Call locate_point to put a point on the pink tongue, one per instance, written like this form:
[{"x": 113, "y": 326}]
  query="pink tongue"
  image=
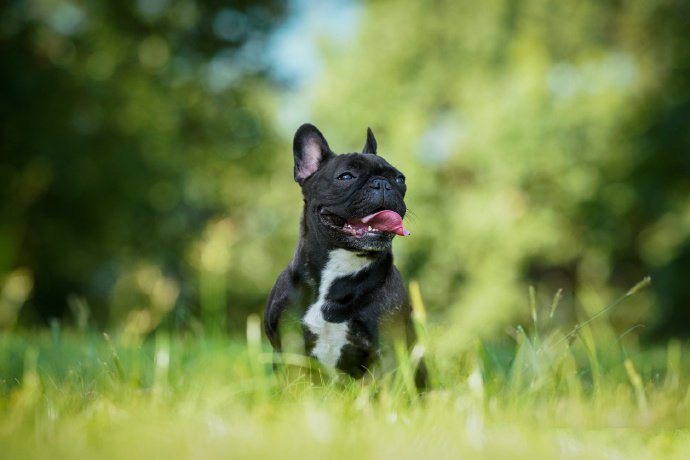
[{"x": 386, "y": 221}]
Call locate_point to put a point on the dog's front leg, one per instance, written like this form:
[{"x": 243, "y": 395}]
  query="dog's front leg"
[{"x": 283, "y": 293}]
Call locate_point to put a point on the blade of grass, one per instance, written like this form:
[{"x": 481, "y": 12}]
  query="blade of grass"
[
  {"x": 115, "y": 357},
  {"x": 636, "y": 382},
  {"x": 533, "y": 310},
  {"x": 556, "y": 301},
  {"x": 646, "y": 281},
  {"x": 590, "y": 345}
]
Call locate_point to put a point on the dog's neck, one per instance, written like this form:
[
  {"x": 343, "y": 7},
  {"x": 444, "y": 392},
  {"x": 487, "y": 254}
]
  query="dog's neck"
[{"x": 314, "y": 253}]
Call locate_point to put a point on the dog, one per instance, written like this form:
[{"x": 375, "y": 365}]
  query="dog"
[{"x": 342, "y": 279}]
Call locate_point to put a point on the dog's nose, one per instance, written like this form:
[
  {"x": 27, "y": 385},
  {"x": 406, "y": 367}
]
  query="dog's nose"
[{"x": 380, "y": 183}]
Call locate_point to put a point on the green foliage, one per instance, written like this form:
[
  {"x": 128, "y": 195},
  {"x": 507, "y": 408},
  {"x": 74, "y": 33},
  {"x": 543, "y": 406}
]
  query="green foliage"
[
  {"x": 143, "y": 182},
  {"x": 542, "y": 144},
  {"x": 143, "y": 188},
  {"x": 129, "y": 130}
]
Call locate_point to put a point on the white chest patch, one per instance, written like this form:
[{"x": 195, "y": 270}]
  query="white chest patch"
[{"x": 331, "y": 337}]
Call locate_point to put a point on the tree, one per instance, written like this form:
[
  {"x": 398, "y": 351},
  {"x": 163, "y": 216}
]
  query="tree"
[
  {"x": 126, "y": 127},
  {"x": 537, "y": 140}
]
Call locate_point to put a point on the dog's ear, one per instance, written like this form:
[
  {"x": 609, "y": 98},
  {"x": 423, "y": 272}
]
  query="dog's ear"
[
  {"x": 370, "y": 146},
  {"x": 310, "y": 150}
]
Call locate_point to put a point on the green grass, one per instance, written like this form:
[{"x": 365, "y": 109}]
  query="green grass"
[{"x": 546, "y": 394}]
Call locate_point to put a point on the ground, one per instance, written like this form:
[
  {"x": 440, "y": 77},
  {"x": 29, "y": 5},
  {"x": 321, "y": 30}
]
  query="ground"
[{"x": 82, "y": 394}]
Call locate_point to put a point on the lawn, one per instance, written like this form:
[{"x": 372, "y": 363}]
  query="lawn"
[{"x": 544, "y": 393}]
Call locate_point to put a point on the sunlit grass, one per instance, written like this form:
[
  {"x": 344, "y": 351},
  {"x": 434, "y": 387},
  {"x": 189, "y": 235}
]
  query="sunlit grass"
[{"x": 547, "y": 394}]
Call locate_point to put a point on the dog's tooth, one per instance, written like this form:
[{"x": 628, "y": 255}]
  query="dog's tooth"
[{"x": 369, "y": 228}]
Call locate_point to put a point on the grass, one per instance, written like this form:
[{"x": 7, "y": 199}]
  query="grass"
[{"x": 547, "y": 394}]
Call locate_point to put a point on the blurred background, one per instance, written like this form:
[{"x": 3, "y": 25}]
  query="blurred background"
[{"x": 146, "y": 165}]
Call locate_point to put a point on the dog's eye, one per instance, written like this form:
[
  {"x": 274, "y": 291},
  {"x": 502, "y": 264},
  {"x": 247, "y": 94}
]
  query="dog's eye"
[
  {"x": 346, "y": 176},
  {"x": 400, "y": 179}
]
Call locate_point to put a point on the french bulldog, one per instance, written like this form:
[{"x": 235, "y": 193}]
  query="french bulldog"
[{"x": 342, "y": 280}]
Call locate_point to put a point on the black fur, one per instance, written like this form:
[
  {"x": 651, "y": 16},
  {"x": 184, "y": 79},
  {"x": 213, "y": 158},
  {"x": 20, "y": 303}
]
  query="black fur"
[{"x": 337, "y": 188}]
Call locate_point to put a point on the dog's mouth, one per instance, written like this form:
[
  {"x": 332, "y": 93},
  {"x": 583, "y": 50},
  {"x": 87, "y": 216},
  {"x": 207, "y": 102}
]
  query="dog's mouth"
[{"x": 382, "y": 222}]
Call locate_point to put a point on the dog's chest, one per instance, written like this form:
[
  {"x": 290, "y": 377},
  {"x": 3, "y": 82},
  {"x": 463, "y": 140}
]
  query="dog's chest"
[{"x": 331, "y": 337}]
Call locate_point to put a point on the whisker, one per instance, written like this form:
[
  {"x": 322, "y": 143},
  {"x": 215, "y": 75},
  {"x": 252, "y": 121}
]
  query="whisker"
[{"x": 410, "y": 215}]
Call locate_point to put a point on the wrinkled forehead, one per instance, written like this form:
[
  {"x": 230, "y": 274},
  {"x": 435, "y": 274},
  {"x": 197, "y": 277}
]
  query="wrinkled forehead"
[{"x": 373, "y": 164}]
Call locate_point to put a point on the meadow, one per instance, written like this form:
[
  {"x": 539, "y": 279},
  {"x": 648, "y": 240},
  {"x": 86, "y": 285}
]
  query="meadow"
[
  {"x": 544, "y": 393},
  {"x": 147, "y": 203}
]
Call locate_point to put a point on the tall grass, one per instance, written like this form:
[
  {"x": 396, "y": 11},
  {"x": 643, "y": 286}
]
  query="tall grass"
[{"x": 547, "y": 394}]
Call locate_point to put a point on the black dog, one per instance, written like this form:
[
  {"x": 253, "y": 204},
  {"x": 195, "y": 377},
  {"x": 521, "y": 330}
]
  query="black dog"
[{"x": 342, "y": 278}]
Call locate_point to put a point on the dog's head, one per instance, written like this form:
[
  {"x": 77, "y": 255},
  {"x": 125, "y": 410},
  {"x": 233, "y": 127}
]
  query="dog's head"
[{"x": 352, "y": 201}]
